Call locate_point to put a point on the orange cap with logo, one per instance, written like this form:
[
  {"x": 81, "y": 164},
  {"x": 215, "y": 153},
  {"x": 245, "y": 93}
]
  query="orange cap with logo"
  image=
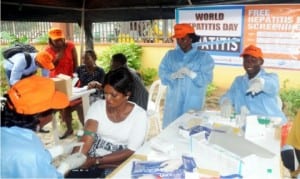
[
  {"x": 36, "y": 94},
  {"x": 55, "y": 33},
  {"x": 181, "y": 30},
  {"x": 45, "y": 60},
  {"x": 253, "y": 51}
]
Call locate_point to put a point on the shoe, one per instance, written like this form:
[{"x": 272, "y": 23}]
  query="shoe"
[
  {"x": 43, "y": 131},
  {"x": 66, "y": 134}
]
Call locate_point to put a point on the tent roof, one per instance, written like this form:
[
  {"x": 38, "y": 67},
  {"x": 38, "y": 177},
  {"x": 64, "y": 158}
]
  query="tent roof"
[{"x": 105, "y": 10}]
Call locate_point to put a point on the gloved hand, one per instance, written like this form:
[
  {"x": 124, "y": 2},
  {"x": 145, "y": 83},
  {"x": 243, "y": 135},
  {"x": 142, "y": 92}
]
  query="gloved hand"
[
  {"x": 63, "y": 149},
  {"x": 186, "y": 71},
  {"x": 73, "y": 161},
  {"x": 243, "y": 116},
  {"x": 170, "y": 165},
  {"x": 244, "y": 111},
  {"x": 226, "y": 108},
  {"x": 177, "y": 75},
  {"x": 256, "y": 85}
]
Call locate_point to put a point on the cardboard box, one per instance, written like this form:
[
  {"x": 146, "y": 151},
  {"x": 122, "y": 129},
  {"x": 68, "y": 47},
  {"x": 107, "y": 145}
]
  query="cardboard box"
[{"x": 63, "y": 83}]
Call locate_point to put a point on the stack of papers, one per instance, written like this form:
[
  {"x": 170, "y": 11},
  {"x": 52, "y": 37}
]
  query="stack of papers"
[{"x": 79, "y": 90}]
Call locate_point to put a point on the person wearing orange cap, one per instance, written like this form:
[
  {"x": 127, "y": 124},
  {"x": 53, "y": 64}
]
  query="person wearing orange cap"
[
  {"x": 186, "y": 71},
  {"x": 64, "y": 53},
  {"x": 89, "y": 75},
  {"x": 65, "y": 62},
  {"x": 30, "y": 103},
  {"x": 16, "y": 66},
  {"x": 257, "y": 91}
]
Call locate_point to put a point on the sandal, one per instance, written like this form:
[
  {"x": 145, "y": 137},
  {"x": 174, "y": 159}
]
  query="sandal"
[
  {"x": 66, "y": 134},
  {"x": 43, "y": 131}
]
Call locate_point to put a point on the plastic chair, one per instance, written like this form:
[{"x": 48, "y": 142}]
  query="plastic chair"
[{"x": 156, "y": 94}]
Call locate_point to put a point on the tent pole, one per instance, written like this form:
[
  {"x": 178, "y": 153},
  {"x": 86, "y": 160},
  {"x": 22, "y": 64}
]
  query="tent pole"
[{"x": 81, "y": 31}]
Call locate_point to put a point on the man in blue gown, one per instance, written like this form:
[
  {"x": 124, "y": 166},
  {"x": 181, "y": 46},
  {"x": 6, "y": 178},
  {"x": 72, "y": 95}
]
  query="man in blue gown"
[
  {"x": 256, "y": 90},
  {"x": 186, "y": 71}
]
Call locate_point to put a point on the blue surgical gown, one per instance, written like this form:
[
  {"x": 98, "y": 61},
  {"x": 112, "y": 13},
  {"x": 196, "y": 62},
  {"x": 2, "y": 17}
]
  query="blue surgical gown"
[
  {"x": 263, "y": 103},
  {"x": 23, "y": 155},
  {"x": 185, "y": 94}
]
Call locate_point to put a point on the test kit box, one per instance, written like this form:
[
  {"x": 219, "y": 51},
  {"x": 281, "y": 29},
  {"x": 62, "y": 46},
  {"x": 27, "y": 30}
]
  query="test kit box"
[{"x": 63, "y": 83}]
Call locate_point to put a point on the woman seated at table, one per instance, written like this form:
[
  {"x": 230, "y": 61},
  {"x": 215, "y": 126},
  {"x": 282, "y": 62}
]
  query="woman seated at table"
[
  {"x": 114, "y": 128},
  {"x": 91, "y": 75}
]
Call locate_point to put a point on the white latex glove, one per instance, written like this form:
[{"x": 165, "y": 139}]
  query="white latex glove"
[
  {"x": 177, "y": 75},
  {"x": 243, "y": 116},
  {"x": 170, "y": 165},
  {"x": 244, "y": 111},
  {"x": 63, "y": 149},
  {"x": 256, "y": 85},
  {"x": 73, "y": 161},
  {"x": 226, "y": 108},
  {"x": 186, "y": 71}
]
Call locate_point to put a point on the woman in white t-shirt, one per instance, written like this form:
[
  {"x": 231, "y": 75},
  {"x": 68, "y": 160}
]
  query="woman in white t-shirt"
[{"x": 114, "y": 128}]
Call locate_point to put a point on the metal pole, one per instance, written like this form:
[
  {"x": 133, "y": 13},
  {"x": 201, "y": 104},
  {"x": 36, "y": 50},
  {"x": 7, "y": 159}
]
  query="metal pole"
[{"x": 81, "y": 31}]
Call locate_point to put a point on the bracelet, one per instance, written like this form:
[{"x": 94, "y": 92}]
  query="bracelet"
[
  {"x": 86, "y": 132},
  {"x": 97, "y": 161}
]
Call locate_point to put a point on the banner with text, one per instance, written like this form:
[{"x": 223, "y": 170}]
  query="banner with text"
[{"x": 226, "y": 30}]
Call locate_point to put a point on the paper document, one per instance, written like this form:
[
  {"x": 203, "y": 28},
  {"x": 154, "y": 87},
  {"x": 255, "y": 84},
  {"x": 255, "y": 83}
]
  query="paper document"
[{"x": 79, "y": 90}]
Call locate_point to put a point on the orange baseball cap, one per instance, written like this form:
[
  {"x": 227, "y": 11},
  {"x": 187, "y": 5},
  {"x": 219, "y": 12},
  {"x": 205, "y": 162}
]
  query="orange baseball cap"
[
  {"x": 36, "y": 94},
  {"x": 56, "y": 33},
  {"x": 45, "y": 60},
  {"x": 181, "y": 30},
  {"x": 253, "y": 51}
]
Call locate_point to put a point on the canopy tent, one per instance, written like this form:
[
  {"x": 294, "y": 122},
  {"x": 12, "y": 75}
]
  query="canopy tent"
[
  {"x": 105, "y": 10},
  {"x": 85, "y": 12}
]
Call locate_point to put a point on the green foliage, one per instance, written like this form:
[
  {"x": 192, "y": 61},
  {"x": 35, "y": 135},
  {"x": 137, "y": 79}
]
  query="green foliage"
[
  {"x": 4, "y": 84},
  {"x": 42, "y": 39},
  {"x": 132, "y": 51},
  {"x": 12, "y": 39},
  {"x": 148, "y": 75},
  {"x": 211, "y": 88},
  {"x": 291, "y": 100}
]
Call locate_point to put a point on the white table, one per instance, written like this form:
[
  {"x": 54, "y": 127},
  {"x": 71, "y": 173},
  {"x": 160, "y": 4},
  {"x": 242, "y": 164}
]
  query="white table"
[
  {"x": 210, "y": 160},
  {"x": 85, "y": 98}
]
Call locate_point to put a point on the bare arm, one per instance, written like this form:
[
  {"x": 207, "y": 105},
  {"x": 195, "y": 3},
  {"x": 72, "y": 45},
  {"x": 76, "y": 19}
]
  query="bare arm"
[
  {"x": 91, "y": 126},
  {"x": 113, "y": 159}
]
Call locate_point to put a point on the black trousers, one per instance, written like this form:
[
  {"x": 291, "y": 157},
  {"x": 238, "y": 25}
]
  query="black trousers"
[
  {"x": 288, "y": 158},
  {"x": 92, "y": 172}
]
